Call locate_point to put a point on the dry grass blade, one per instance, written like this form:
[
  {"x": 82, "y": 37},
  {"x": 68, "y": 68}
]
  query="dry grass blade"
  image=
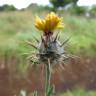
[
  {"x": 29, "y": 43},
  {"x": 36, "y": 39},
  {"x": 65, "y": 41}
]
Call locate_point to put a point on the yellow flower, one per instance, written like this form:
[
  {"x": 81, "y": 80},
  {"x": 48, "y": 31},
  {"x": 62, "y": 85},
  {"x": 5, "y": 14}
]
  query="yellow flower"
[{"x": 50, "y": 23}]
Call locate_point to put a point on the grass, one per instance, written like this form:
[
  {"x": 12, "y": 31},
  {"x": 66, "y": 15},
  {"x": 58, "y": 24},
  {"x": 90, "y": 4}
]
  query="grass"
[
  {"x": 17, "y": 27},
  {"x": 79, "y": 93},
  {"x": 83, "y": 34}
]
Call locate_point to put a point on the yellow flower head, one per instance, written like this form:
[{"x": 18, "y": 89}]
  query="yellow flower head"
[{"x": 50, "y": 23}]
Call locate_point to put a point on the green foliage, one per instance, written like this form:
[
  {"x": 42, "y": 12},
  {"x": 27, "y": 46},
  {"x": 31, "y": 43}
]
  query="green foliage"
[
  {"x": 62, "y": 3},
  {"x": 50, "y": 91},
  {"x": 93, "y": 11},
  {"x": 83, "y": 34},
  {"x": 78, "y": 10},
  {"x": 7, "y": 8},
  {"x": 37, "y": 8},
  {"x": 35, "y": 93},
  {"x": 16, "y": 28},
  {"x": 79, "y": 92}
]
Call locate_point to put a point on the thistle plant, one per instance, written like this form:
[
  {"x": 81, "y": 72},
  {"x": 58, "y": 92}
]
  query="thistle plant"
[{"x": 50, "y": 50}]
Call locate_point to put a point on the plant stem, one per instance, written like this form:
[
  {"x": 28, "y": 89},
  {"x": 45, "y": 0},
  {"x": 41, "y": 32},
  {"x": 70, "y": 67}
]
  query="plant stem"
[{"x": 48, "y": 77}]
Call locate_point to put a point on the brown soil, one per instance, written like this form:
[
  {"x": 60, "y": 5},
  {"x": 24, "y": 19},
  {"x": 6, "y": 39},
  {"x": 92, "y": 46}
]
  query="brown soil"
[{"x": 78, "y": 73}]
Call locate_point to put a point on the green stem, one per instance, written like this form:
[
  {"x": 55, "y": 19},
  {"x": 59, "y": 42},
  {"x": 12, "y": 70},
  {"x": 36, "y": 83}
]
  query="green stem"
[{"x": 48, "y": 77}]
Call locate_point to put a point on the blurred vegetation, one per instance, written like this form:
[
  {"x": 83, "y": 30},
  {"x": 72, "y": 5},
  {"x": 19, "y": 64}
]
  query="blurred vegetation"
[
  {"x": 17, "y": 27},
  {"x": 68, "y": 6},
  {"x": 93, "y": 11},
  {"x": 62, "y": 3},
  {"x": 78, "y": 10},
  {"x": 79, "y": 92},
  {"x": 7, "y": 8}
]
